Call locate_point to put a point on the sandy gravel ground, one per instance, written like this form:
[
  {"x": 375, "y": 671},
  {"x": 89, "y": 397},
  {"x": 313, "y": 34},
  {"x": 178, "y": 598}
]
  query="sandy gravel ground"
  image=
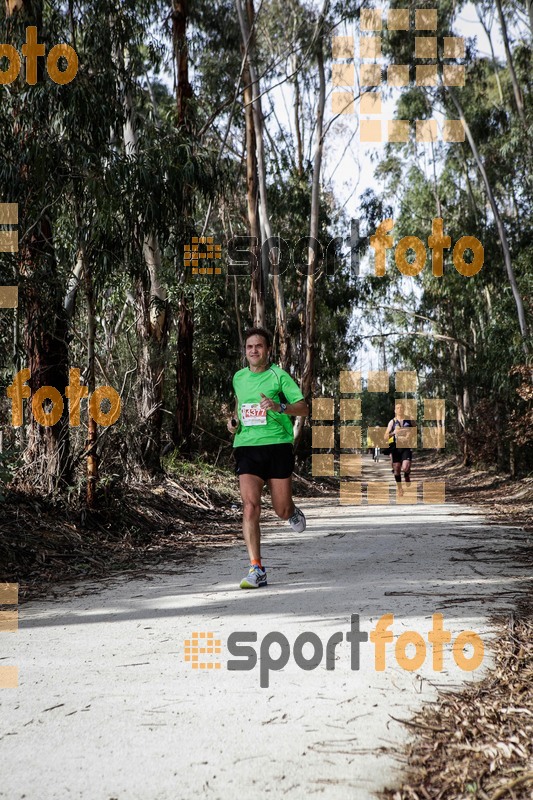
[{"x": 108, "y": 707}]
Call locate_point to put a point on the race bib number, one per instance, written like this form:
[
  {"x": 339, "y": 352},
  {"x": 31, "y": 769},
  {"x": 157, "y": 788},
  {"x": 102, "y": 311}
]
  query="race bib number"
[
  {"x": 402, "y": 435},
  {"x": 253, "y": 414}
]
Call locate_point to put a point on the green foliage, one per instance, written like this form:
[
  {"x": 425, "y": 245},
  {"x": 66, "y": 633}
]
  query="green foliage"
[
  {"x": 9, "y": 464},
  {"x": 462, "y": 334},
  {"x": 64, "y": 159}
]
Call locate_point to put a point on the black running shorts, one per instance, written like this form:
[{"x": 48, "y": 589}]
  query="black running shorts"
[
  {"x": 267, "y": 460},
  {"x": 400, "y": 454}
]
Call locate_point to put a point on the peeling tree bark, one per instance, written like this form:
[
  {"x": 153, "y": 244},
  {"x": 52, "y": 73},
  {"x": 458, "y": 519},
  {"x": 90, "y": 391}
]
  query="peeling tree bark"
[
  {"x": 309, "y": 358},
  {"x": 47, "y": 454},
  {"x": 184, "y": 416},
  {"x": 180, "y": 13},
  {"x": 185, "y": 378},
  {"x": 45, "y": 337},
  {"x": 297, "y": 122},
  {"x": 257, "y": 288},
  {"x": 269, "y": 255},
  {"x": 92, "y": 428},
  {"x": 462, "y": 411},
  {"x": 151, "y": 324}
]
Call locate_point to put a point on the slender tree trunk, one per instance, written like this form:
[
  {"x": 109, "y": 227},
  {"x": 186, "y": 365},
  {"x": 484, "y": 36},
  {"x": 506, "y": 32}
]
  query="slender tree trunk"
[
  {"x": 72, "y": 291},
  {"x": 115, "y": 330},
  {"x": 237, "y": 312},
  {"x": 270, "y": 260},
  {"x": 307, "y": 376},
  {"x": 151, "y": 324},
  {"x": 48, "y": 449},
  {"x": 152, "y": 340},
  {"x": 438, "y": 207},
  {"x": 45, "y": 337},
  {"x": 257, "y": 293},
  {"x": 517, "y": 91},
  {"x": 281, "y": 314},
  {"x": 467, "y": 402},
  {"x": 180, "y": 13},
  {"x": 499, "y": 224},
  {"x": 512, "y": 459},
  {"x": 20, "y": 433},
  {"x": 499, "y": 415},
  {"x": 297, "y": 123},
  {"x": 92, "y": 428},
  {"x": 473, "y": 204},
  {"x": 519, "y": 100},
  {"x": 462, "y": 420},
  {"x": 185, "y": 409},
  {"x": 183, "y": 421},
  {"x": 488, "y": 34}
]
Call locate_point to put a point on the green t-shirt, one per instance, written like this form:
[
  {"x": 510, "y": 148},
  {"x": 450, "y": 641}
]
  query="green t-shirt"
[{"x": 248, "y": 387}]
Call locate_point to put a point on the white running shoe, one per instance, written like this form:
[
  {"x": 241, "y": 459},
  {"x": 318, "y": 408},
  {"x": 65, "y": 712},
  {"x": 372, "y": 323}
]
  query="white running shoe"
[
  {"x": 256, "y": 577},
  {"x": 297, "y": 521}
]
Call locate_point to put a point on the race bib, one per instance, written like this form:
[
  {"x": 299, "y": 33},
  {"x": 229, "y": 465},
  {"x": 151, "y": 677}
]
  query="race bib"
[
  {"x": 253, "y": 414},
  {"x": 402, "y": 434}
]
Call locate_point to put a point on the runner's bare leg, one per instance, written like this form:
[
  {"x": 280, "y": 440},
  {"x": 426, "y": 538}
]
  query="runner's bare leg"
[
  {"x": 396, "y": 467},
  {"x": 281, "y": 495},
  {"x": 251, "y": 487}
]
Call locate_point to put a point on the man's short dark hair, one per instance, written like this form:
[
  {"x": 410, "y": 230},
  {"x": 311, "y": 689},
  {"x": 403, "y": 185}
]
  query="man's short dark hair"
[{"x": 259, "y": 332}]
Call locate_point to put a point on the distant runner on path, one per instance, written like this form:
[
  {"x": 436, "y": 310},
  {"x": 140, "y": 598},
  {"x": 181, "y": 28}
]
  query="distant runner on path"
[
  {"x": 401, "y": 456},
  {"x": 266, "y": 398}
]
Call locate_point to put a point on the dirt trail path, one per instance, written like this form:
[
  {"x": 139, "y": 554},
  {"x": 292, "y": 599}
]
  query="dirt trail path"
[{"x": 107, "y": 707}]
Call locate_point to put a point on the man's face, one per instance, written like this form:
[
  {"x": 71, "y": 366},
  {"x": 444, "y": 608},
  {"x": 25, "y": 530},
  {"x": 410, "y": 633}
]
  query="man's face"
[
  {"x": 256, "y": 351},
  {"x": 399, "y": 410}
]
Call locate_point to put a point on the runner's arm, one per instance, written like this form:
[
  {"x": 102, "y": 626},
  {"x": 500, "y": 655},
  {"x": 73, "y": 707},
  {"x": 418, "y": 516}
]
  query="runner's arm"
[
  {"x": 298, "y": 409},
  {"x": 234, "y": 428}
]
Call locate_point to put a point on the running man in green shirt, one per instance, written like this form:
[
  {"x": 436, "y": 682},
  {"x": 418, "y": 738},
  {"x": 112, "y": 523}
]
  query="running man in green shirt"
[{"x": 266, "y": 398}]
